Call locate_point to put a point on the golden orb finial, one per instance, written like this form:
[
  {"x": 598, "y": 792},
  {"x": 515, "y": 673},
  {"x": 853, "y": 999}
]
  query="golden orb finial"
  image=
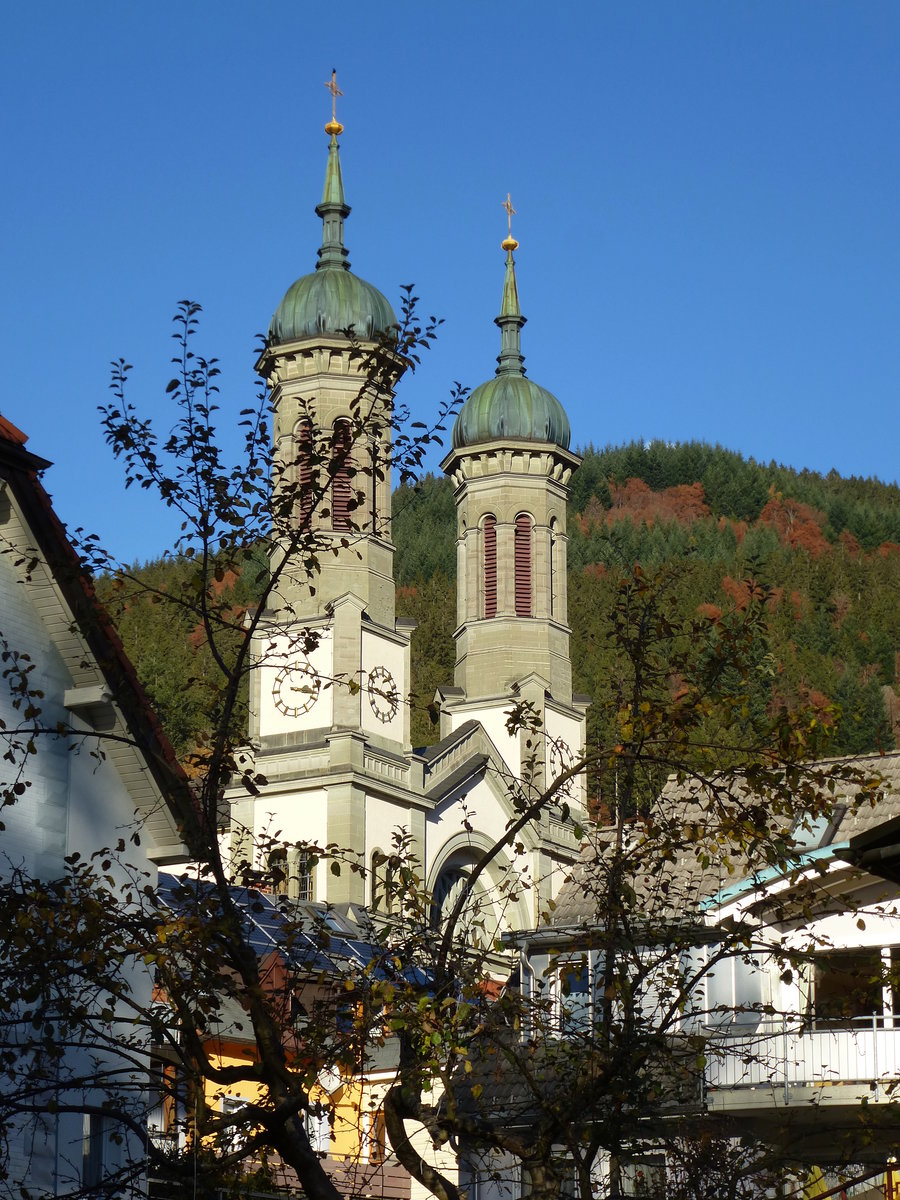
[
  {"x": 334, "y": 127},
  {"x": 509, "y": 242}
]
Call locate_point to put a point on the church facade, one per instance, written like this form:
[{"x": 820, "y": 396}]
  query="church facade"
[{"x": 331, "y": 690}]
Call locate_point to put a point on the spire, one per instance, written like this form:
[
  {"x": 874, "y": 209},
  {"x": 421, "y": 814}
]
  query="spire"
[
  {"x": 333, "y": 209},
  {"x": 510, "y": 360}
]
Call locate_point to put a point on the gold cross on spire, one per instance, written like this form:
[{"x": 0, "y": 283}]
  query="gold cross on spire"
[
  {"x": 509, "y": 242},
  {"x": 334, "y": 127}
]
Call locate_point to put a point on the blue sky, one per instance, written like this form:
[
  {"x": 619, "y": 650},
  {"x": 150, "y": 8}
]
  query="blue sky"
[{"x": 707, "y": 200}]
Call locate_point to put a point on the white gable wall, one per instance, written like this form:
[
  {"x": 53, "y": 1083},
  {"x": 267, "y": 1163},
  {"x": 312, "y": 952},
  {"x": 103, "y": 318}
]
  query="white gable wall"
[{"x": 75, "y": 802}]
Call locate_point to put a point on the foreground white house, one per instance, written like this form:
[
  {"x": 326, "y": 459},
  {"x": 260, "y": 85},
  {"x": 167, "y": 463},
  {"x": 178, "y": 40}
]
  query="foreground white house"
[
  {"x": 812, "y": 1062},
  {"x": 100, "y": 771},
  {"x": 762, "y": 1006}
]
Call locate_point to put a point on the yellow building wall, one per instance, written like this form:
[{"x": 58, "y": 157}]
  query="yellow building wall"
[{"x": 357, "y": 1130}]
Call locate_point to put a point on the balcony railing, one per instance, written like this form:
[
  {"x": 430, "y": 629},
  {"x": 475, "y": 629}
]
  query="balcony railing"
[{"x": 789, "y": 1055}]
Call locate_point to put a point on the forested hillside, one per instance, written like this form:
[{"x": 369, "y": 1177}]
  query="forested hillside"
[{"x": 706, "y": 523}]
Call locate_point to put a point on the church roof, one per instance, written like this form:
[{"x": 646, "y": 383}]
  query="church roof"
[
  {"x": 331, "y": 299},
  {"x": 511, "y": 407}
]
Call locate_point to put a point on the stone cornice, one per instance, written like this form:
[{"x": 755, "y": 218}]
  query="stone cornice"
[{"x": 506, "y": 457}]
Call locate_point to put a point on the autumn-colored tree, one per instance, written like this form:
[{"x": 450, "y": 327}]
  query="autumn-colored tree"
[{"x": 676, "y": 690}]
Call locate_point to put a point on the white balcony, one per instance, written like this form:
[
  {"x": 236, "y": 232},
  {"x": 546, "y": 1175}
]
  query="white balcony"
[{"x": 784, "y": 1062}]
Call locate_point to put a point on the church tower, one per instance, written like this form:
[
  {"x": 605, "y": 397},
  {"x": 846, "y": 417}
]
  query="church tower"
[
  {"x": 510, "y": 464},
  {"x": 329, "y": 725},
  {"x": 329, "y": 722}
]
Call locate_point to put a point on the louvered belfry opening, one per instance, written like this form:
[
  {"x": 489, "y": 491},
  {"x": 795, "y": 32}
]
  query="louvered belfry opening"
[
  {"x": 304, "y": 497},
  {"x": 376, "y": 468},
  {"x": 342, "y": 465},
  {"x": 489, "y": 533},
  {"x": 523, "y": 565},
  {"x": 554, "y": 582}
]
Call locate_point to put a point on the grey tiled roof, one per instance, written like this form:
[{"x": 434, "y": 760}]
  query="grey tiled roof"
[{"x": 686, "y": 866}]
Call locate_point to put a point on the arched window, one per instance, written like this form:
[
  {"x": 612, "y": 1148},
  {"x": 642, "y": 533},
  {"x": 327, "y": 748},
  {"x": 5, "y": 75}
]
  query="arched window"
[
  {"x": 523, "y": 565},
  {"x": 303, "y": 441},
  {"x": 278, "y": 871},
  {"x": 382, "y": 882},
  {"x": 450, "y": 885},
  {"x": 302, "y": 872},
  {"x": 554, "y": 568},
  {"x": 291, "y": 873},
  {"x": 489, "y": 534},
  {"x": 341, "y": 475},
  {"x": 378, "y": 466}
]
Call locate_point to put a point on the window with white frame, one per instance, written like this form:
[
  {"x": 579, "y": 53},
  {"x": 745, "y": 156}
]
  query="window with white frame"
[
  {"x": 644, "y": 1178},
  {"x": 318, "y": 1127},
  {"x": 291, "y": 873},
  {"x": 232, "y": 1135},
  {"x": 373, "y": 1136},
  {"x": 574, "y": 994}
]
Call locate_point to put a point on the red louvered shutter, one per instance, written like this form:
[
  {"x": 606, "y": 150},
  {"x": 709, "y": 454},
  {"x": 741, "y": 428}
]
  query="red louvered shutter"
[
  {"x": 376, "y": 470},
  {"x": 554, "y": 543},
  {"x": 304, "y": 498},
  {"x": 340, "y": 483},
  {"x": 490, "y": 566},
  {"x": 523, "y": 565}
]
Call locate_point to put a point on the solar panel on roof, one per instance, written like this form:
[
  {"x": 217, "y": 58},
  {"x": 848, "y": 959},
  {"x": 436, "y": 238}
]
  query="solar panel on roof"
[{"x": 276, "y": 924}]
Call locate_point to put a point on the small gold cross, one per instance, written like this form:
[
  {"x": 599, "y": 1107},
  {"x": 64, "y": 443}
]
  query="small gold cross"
[
  {"x": 334, "y": 127},
  {"x": 509, "y": 242},
  {"x": 510, "y": 212},
  {"x": 335, "y": 92}
]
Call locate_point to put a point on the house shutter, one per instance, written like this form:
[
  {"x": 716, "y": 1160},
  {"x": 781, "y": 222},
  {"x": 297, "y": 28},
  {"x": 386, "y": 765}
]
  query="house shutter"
[
  {"x": 341, "y": 466},
  {"x": 489, "y": 532},
  {"x": 523, "y": 565}
]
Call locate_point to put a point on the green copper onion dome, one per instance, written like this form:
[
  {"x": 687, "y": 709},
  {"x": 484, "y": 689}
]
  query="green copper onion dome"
[
  {"x": 332, "y": 298},
  {"x": 510, "y": 406}
]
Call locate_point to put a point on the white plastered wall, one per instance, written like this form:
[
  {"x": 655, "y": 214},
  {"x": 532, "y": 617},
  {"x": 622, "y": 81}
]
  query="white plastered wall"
[
  {"x": 76, "y": 802},
  {"x": 316, "y": 695},
  {"x": 567, "y": 732},
  {"x": 493, "y": 718},
  {"x": 381, "y": 652}
]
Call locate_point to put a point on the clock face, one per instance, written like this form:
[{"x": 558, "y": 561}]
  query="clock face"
[
  {"x": 383, "y": 696},
  {"x": 560, "y": 758},
  {"x": 296, "y": 688}
]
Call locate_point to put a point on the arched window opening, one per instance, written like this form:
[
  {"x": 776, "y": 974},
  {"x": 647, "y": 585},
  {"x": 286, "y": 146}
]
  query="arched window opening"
[
  {"x": 523, "y": 565},
  {"x": 554, "y": 568},
  {"x": 341, "y": 475},
  {"x": 304, "y": 449},
  {"x": 376, "y": 468},
  {"x": 278, "y": 871},
  {"x": 383, "y": 883},
  {"x": 489, "y": 534},
  {"x": 450, "y": 885},
  {"x": 304, "y": 876},
  {"x": 291, "y": 873}
]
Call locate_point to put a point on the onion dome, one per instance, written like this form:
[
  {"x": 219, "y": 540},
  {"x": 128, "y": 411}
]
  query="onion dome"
[
  {"x": 510, "y": 406},
  {"x": 332, "y": 298}
]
